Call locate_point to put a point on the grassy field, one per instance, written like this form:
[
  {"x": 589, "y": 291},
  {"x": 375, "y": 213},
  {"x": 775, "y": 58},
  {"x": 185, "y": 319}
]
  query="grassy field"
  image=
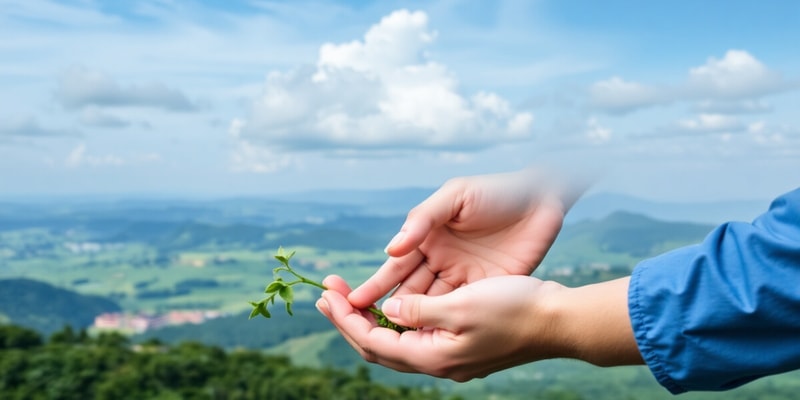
[
  {"x": 144, "y": 277},
  {"x": 133, "y": 275}
]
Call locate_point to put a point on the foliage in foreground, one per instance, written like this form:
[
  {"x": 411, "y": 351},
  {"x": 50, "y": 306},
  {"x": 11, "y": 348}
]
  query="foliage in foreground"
[
  {"x": 283, "y": 289},
  {"x": 73, "y": 365}
]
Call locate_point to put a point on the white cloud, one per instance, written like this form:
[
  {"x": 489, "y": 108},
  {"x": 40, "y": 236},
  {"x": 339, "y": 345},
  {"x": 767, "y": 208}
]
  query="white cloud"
[
  {"x": 394, "y": 43},
  {"x": 31, "y": 128},
  {"x": 377, "y": 93},
  {"x": 249, "y": 158},
  {"x": 737, "y": 75},
  {"x": 616, "y": 95},
  {"x": 710, "y": 123},
  {"x": 731, "y": 84},
  {"x": 79, "y": 157},
  {"x": 785, "y": 139},
  {"x": 596, "y": 133},
  {"x": 745, "y": 106},
  {"x": 81, "y": 87}
]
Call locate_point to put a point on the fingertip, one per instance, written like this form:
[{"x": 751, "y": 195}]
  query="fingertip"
[
  {"x": 323, "y": 307},
  {"x": 397, "y": 239},
  {"x": 410, "y": 237},
  {"x": 391, "y": 307},
  {"x": 360, "y": 297},
  {"x": 336, "y": 283},
  {"x": 335, "y": 303},
  {"x": 327, "y": 280}
]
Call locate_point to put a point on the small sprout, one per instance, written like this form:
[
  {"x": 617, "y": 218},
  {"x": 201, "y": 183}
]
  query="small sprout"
[{"x": 283, "y": 289}]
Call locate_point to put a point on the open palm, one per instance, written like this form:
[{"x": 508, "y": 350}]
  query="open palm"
[{"x": 471, "y": 228}]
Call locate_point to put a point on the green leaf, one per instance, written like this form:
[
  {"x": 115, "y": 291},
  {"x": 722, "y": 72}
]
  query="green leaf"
[
  {"x": 289, "y": 308},
  {"x": 283, "y": 256},
  {"x": 282, "y": 288},
  {"x": 262, "y": 309},
  {"x": 275, "y": 286},
  {"x": 287, "y": 294},
  {"x": 259, "y": 308},
  {"x": 254, "y": 312}
]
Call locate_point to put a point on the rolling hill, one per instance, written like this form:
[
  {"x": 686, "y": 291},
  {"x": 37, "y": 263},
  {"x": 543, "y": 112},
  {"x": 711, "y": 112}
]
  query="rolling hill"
[{"x": 45, "y": 308}]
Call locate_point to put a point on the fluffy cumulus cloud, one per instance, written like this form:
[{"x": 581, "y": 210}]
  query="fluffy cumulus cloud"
[
  {"x": 377, "y": 93},
  {"x": 80, "y": 87},
  {"x": 737, "y": 75},
  {"x": 734, "y": 83}
]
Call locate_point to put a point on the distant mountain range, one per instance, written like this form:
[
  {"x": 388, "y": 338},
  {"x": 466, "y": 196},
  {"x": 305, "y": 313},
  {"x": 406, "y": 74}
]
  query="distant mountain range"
[
  {"x": 320, "y": 205},
  {"x": 591, "y": 206},
  {"x": 599, "y": 205}
]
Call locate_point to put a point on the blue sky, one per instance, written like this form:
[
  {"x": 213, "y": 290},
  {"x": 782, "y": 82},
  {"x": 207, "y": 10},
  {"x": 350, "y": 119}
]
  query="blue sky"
[{"x": 678, "y": 101}]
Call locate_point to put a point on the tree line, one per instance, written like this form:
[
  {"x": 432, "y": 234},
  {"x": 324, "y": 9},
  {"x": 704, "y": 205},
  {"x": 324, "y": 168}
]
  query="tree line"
[{"x": 74, "y": 365}]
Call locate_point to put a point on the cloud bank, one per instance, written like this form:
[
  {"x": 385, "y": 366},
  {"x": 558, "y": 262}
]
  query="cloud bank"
[
  {"x": 79, "y": 87},
  {"x": 732, "y": 84},
  {"x": 29, "y": 127},
  {"x": 379, "y": 93}
]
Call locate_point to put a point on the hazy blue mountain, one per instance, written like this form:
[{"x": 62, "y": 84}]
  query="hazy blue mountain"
[
  {"x": 104, "y": 216},
  {"x": 592, "y": 206},
  {"x": 377, "y": 201},
  {"x": 599, "y": 205},
  {"x": 626, "y": 233},
  {"x": 319, "y": 206}
]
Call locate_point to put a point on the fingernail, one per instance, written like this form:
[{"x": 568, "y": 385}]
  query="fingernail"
[
  {"x": 395, "y": 240},
  {"x": 322, "y": 306},
  {"x": 391, "y": 307}
]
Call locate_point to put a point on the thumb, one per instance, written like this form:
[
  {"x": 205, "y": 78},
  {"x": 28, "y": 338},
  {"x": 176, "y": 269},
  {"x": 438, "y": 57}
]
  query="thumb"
[{"x": 417, "y": 310}]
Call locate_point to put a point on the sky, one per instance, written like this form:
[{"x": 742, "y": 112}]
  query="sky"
[{"x": 673, "y": 101}]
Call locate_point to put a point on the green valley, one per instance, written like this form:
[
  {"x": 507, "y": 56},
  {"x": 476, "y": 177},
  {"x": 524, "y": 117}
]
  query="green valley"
[{"x": 149, "y": 258}]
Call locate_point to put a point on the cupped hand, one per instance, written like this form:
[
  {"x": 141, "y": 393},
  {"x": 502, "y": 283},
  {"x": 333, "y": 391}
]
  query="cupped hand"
[
  {"x": 470, "y": 332},
  {"x": 473, "y": 228}
]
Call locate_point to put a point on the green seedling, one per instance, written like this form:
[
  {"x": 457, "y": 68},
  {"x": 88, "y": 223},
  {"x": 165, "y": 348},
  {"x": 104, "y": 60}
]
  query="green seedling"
[{"x": 282, "y": 288}]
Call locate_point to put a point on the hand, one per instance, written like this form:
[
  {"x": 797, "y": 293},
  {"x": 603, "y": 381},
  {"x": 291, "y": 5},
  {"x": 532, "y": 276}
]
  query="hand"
[
  {"x": 463, "y": 329},
  {"x": 490, "y": 325},
  {"x": 470, "y": 229}
]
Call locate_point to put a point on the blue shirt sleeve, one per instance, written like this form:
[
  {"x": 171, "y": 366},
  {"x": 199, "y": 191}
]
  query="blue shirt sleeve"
[{"x": 722, "y": 313}]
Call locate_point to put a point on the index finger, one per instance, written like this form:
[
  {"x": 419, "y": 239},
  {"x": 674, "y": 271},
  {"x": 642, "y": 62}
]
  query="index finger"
[
  {"x": 386, "y": 278},
  {"x": 437, "y": 210}
]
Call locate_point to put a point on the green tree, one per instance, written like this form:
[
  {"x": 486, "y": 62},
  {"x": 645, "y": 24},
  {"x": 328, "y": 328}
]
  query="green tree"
[{"x": 16, "y": 337}]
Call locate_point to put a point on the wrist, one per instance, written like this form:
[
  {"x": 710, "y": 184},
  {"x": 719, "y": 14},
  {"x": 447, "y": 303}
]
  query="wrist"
[{"x": 591, "y": 323}]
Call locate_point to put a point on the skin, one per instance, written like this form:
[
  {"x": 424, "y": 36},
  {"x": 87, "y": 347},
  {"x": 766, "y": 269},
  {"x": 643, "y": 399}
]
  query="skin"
[
  {"x": 470, "y": 229},
  {"x": 459, "y": 270},
  {"x": 533, "y": 319}
]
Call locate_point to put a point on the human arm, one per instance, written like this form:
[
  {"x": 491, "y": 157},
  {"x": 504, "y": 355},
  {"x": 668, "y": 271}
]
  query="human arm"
[
  {"x": 722, "y": 313},
  {"x": 472, "y": 228},
  {"x": 490, "y": 325}
]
